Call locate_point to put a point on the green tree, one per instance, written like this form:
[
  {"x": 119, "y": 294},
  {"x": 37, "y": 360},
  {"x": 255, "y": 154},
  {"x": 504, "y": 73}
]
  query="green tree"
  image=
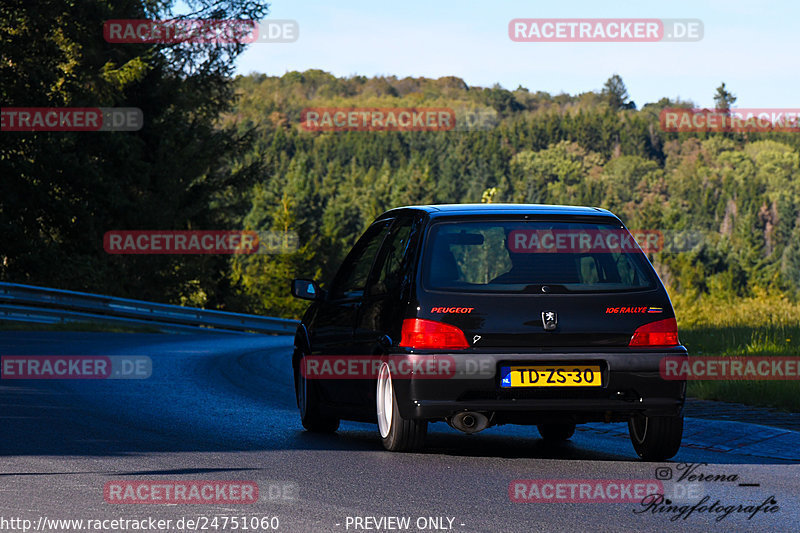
[
  {"x": 723, "y": 99},
  {"x": 61, "y": 191},
  {"x": 616, "y": 94}
]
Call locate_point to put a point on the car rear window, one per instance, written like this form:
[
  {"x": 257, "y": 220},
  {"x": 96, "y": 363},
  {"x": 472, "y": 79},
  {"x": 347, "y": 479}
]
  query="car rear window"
[{"x": 534, "y": 256}]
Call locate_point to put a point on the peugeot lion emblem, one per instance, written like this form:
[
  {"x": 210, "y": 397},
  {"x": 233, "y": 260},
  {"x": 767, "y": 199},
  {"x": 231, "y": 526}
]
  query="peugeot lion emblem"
[{"x": 549, "y": 320}]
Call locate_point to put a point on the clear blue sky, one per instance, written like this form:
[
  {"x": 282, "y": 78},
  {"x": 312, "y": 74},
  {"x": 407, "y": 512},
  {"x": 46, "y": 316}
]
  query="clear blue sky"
[{"x": 753, "y": 46}]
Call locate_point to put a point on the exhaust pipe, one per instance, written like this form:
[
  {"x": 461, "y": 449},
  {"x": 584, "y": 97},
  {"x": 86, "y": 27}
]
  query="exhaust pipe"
[{"x": 469, "y": 422}]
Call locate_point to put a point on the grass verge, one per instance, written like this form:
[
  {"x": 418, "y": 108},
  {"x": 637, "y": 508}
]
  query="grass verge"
[{"x": 760, "y": 326}]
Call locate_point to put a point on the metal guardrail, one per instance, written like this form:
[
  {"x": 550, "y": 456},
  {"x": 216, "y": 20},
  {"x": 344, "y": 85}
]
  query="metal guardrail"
[
  {"x": 43, "y": 315},
  {"x": 42, "y": 304}
]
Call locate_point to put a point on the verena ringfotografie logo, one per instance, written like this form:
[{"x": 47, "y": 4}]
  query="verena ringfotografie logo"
[
  {"x": 75, "y": 367},
  {"x": 200, "y": 31},
  {"x": 377, "y": 119},
  {"x": 658, "y": 504},
  {"x": 582, "y": 490},
  {"x": 730, "y": 120},
  {"x": 730, "y": 368},
  {"x": 71, "y": 119},
  {"x": 586, "y": 30},
  {"x": 181, "y": 492},
  {"x": 199, "y": 242}
]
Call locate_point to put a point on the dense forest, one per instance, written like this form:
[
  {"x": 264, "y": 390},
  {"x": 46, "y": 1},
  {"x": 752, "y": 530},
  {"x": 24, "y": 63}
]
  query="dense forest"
[
  {"x": 739, "y": 192},
  {"x": 228, "y": 153}
]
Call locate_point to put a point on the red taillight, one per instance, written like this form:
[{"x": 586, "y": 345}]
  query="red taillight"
[
  {"x": 428, "y": 334},
  {"x": 660, "y": 333}
]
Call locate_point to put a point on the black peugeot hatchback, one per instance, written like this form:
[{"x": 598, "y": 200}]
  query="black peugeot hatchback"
[{"x": 488, "y": 314}]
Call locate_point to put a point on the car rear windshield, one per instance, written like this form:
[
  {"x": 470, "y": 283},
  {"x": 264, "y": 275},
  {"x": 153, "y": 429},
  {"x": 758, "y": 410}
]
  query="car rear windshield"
[{"x": 534, "y": 256}]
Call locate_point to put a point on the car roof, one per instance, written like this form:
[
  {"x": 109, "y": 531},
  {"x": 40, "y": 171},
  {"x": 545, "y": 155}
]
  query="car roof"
[{"x": 501, "y": 209}]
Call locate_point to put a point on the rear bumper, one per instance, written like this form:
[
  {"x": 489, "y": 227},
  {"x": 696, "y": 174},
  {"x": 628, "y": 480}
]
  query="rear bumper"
[{"x": 631, "y": 384}]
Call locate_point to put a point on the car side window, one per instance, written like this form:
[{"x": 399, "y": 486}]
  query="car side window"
[
  {"x": 389, "y": 267},
  {"x": 354, "y": 272}
]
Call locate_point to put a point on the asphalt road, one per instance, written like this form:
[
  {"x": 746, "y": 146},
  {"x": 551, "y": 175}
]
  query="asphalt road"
[{"x": 221, "y": 407}]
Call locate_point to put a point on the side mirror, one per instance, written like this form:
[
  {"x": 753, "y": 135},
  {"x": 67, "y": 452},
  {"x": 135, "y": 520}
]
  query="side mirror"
[{"x": 306, "y": 289}]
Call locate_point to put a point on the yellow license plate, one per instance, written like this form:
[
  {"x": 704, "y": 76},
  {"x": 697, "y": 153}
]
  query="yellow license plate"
[{"x": 551, "y": 376}]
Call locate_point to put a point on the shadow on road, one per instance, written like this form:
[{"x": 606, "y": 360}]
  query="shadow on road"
[{"x": 208, "y": 394}]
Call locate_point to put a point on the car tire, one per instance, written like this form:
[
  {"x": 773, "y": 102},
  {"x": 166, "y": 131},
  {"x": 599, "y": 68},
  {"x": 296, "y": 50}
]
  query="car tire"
[
  {"x": 397, "y": 433},
  {"x": 556, "y": 432},
  {"x": 308, "y": 403},
  {"x": 656, "y": 438}
]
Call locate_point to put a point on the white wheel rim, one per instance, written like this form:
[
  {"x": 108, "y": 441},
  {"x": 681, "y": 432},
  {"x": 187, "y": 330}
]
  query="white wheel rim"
[
  {"x": 384, "y": 397},
  {"x": 640, "y": 438},
  {"x": 303, "y": 394}
]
